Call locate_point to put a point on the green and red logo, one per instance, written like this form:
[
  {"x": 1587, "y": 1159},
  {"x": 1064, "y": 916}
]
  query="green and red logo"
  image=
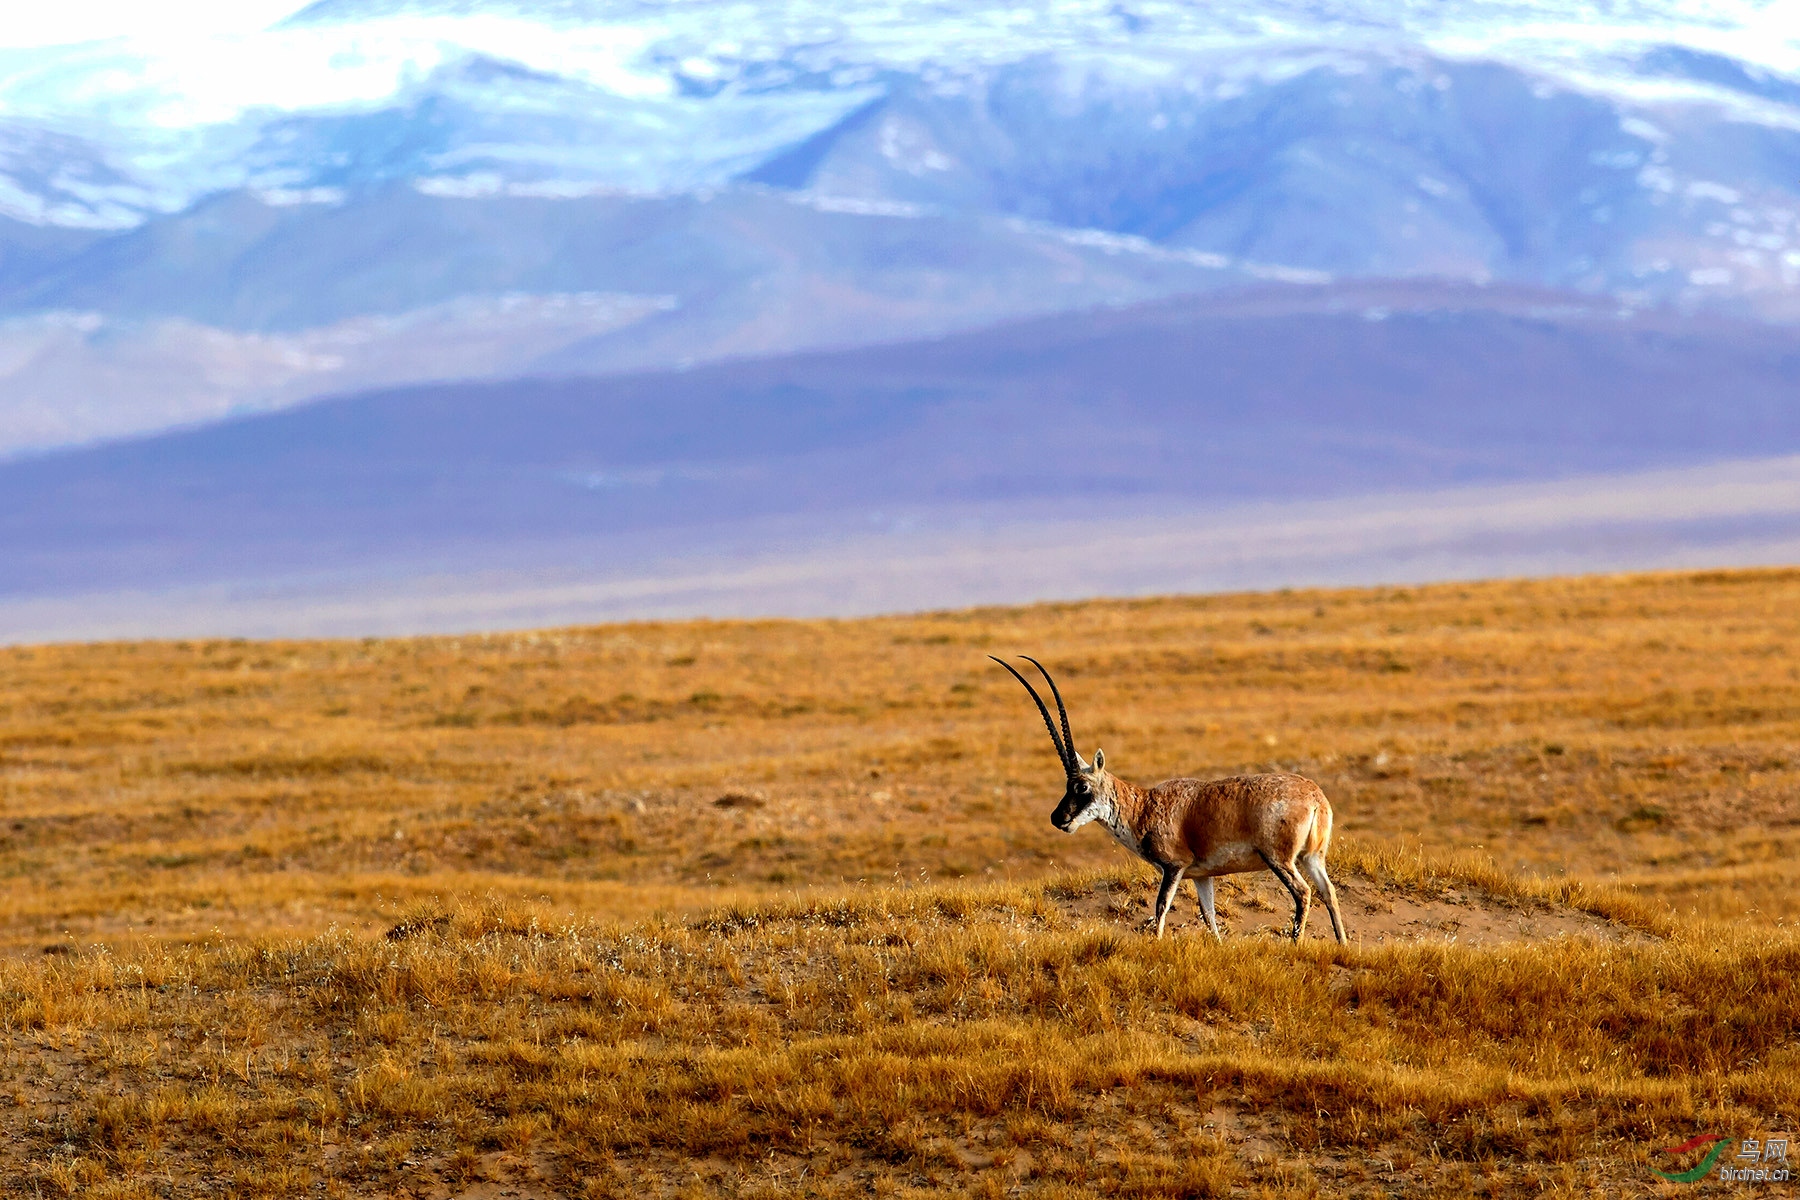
[{"x": 1719, "y": 1143}]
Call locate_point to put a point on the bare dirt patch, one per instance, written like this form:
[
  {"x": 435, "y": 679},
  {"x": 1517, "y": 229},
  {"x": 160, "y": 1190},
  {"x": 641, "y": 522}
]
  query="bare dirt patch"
[{"x": 1255, "y": 905}]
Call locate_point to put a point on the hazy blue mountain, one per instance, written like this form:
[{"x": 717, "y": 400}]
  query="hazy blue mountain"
[
  {"x": 239, "y": 304},
  {"x": 1180, "y": 406},
  {"x": 1377, "y": 166},
  {"x": 235, "y": 261},
  {"x": 28, "y": 251}
]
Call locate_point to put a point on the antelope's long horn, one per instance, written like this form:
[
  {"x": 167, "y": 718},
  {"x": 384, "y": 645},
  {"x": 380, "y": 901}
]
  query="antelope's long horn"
[
  {"x": 1062, "y": 752},
  {"x": 1068, "y": 738}
]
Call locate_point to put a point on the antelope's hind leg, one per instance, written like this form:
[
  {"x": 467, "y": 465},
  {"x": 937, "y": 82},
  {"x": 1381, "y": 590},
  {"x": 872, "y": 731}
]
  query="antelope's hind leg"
[
  {"x": 1296, "y": 887},
  {"x": 1204, "y": 889},
  {"x": 1314, "y": 867}
]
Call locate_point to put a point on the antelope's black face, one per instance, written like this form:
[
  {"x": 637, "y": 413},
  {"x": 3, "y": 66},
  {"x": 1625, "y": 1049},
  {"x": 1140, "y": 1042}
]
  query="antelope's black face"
[
  {"x": 1085, "y": 798},
  {"x": 1077, "y": 807}
]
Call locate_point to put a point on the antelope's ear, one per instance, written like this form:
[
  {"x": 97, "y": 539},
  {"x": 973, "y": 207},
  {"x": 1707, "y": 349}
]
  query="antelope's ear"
[{"x": 1099, "y": 760}]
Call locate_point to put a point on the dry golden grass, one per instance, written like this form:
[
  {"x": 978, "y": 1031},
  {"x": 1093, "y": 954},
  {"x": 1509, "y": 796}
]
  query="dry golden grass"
[{"x": 711, "y": 908}]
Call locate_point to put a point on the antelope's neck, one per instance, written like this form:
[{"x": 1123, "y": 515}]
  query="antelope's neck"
[{"x": 1129, "y": 808}]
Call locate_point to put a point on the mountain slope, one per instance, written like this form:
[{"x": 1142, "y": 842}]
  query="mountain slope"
[{"x": 240, "y": 304}]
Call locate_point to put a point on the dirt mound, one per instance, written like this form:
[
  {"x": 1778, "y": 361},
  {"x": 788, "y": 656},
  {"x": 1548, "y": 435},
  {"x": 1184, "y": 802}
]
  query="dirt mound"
[{"x": 1375, "y": 913}]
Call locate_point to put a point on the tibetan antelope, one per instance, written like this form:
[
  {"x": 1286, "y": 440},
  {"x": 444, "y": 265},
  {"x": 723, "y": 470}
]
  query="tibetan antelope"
[{"x": 1202, "y": 828}]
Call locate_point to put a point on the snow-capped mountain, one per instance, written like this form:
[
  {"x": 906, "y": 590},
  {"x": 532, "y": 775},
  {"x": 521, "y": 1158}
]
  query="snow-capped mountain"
[
  {"x": 598, "y": 94},
  {"x": 726, "y": 172}
]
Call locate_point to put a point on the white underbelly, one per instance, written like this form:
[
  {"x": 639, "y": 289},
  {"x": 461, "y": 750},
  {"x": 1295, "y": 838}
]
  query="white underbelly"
[{"x": 1228, "y": 858}]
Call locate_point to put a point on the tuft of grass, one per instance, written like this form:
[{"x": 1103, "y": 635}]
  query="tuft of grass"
[{"x": 940, "y": 1037}]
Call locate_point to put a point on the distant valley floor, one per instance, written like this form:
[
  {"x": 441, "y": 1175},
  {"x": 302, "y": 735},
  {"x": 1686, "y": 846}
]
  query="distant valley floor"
[{"x": 1735, "y": 513}]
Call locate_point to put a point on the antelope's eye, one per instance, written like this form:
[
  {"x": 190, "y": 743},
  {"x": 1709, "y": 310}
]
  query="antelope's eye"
[{"x": 1082, "y": 788}]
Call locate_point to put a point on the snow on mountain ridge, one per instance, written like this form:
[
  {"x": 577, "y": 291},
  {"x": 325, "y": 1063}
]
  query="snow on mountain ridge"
[
  {"x": 654, "y": 97},
  {"x": 909, "y": 34}
]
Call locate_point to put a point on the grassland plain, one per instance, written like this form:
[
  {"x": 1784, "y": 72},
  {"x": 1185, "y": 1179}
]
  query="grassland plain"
[{"x": 775, "y": 907}]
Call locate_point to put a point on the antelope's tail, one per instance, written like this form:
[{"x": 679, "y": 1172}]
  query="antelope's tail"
[{"x": 1318, "y": 837}]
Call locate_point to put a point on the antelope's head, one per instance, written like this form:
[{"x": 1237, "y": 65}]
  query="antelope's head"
[{"x": 1086, "y": 795}]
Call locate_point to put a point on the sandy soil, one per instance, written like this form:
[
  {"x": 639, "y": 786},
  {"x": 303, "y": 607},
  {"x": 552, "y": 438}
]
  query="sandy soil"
[{"x": 1254, "y": 905}]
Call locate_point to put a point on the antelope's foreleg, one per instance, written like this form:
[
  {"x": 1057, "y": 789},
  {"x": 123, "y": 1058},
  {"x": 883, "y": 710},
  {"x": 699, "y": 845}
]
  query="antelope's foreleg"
[{"x": 1165, "y": 895}]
